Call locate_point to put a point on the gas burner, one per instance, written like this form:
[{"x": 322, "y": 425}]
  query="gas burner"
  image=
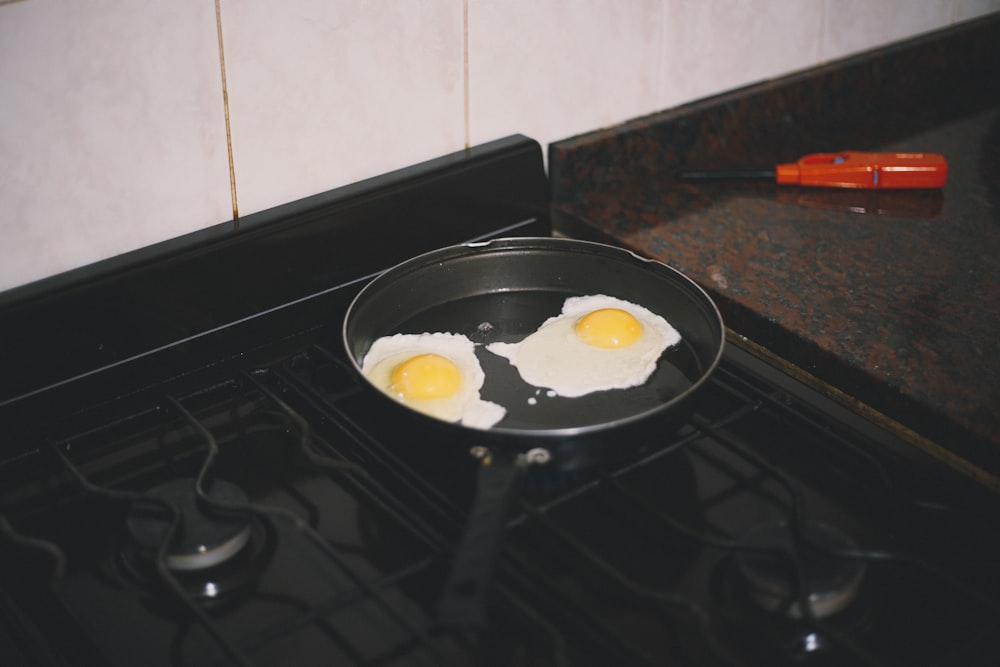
[
  {"x": 216, "y": 558},
  {"x": 205, "y": 536},
  {"x": 766, "y": 568}
]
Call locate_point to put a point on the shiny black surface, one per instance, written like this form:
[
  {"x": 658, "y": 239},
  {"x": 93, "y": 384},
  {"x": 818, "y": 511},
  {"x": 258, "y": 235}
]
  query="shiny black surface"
[
  {"x": 503, "y": 291},
  {"x": 108, "y": 328},
  {"x": 354, "y": 517}
]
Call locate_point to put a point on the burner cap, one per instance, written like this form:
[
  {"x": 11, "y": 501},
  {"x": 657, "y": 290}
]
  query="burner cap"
[
  {"x": 204, "y": 538},
  {"x": 831, "y": 582}
]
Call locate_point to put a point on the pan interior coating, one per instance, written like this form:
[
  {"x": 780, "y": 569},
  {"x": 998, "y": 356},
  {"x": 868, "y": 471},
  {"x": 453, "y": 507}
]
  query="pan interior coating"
[
  {"x": 503, "y": 290},
  {"x": 511, "y": 316}
]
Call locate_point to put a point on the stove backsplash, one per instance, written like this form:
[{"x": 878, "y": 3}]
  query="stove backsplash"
[{"x": 125, "y": 124}]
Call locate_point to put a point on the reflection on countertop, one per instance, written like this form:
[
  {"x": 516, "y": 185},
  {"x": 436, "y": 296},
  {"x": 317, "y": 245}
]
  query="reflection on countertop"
[{"x": 887, "y": 296}]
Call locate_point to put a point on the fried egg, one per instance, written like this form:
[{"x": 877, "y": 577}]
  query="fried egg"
[
  {"x": 596, "y": 343},
  {"x": 437, "y": 374}
]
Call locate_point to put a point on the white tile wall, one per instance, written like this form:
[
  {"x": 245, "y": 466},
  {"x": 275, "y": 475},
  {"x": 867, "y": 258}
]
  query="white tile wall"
[
  {"x": 715, "y": 45},
  {"x": 554, "y": 68},
  {"x": 323, "y": 93},
  {"x": 854, "y": 25},
  {"x": 113, "y": 129}
]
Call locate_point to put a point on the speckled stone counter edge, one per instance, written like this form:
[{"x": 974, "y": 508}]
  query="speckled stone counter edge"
[{"x": 940, "y": 76}]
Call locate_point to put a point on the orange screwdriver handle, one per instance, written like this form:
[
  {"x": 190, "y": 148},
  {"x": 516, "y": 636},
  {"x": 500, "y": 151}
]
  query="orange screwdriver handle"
[{"x": 855, "y": 169}]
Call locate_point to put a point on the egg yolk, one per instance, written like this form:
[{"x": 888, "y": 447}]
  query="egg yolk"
[
  {"x": 425, "y": 376},
  {"x": 609, "y": 327}
]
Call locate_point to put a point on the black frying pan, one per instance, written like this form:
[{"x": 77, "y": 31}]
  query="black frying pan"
[{"x": 503, "y": 290}]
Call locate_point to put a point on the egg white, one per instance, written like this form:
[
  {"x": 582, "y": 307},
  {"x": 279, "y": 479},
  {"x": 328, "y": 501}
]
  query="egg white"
[
  {"x": 555, "y": 357},
  {"x": 465, "y": 405}
]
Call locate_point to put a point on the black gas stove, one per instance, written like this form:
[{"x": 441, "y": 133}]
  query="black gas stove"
[{"x": 191, "y": 473}]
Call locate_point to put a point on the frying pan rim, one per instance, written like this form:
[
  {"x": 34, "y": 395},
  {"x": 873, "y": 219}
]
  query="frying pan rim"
[{"x": 512, "y": 243}]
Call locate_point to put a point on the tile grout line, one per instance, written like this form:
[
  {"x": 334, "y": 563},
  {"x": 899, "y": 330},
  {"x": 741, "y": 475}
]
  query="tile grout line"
[
  {"x": 465, "y": 66},
  {"x": 821, "y": 42},
  {"x": 662, "y": 94},
  {"x": 225, "y": 108}
]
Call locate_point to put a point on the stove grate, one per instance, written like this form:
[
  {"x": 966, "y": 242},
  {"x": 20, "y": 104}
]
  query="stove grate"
[{"x": 636, "y": 563}]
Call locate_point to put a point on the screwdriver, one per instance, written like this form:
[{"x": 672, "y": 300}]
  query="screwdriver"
[{"x": 846, "y": 169}]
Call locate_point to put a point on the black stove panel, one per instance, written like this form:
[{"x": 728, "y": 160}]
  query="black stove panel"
[
  {"x": 702, "y": 548},
  {"x": 237, "y": 497}
]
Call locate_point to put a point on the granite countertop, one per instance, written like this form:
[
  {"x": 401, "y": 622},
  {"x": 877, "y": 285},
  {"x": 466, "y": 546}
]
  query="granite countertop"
[{"x": 888, "y": 297}]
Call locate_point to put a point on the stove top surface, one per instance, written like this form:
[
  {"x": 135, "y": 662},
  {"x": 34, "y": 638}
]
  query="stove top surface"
[
  {"x": 254, "y": 505},
  {"x": 325, "y": 534}
]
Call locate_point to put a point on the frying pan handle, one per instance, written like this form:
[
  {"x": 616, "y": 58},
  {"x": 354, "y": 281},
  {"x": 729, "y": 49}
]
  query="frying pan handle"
[{"x": 463, "y": 602}]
